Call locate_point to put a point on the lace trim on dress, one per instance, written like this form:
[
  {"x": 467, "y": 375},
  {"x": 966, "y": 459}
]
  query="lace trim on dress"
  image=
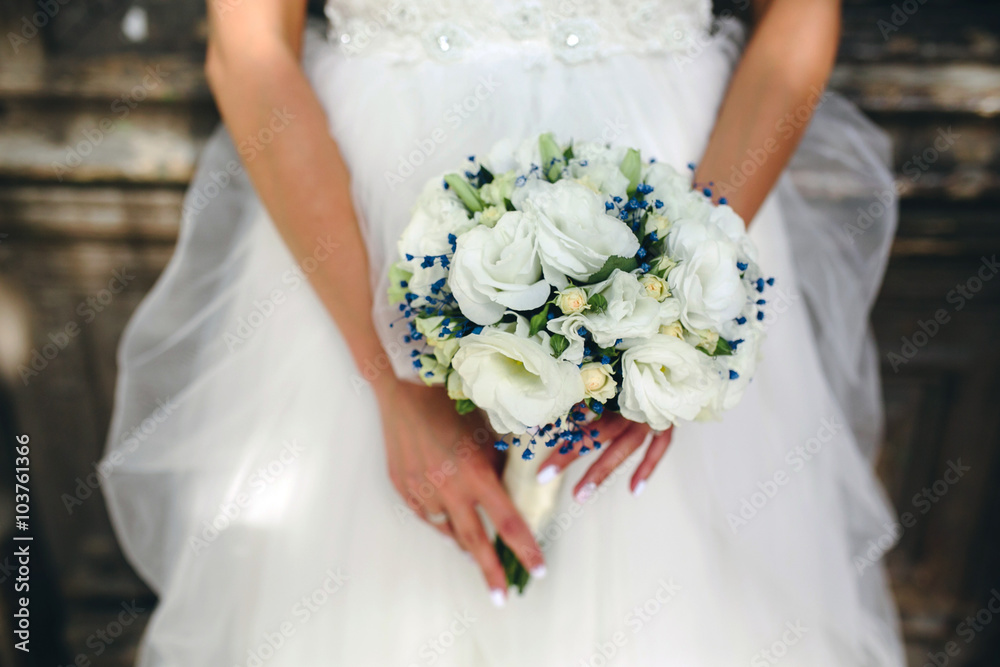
[{"x": 571, "y": 30}]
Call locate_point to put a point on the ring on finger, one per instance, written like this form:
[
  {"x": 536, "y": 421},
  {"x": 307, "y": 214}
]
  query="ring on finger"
[{"x": 437, "y": 518}]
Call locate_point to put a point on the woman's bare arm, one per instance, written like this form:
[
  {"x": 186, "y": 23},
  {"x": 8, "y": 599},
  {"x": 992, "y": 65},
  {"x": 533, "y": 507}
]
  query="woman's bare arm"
[
  {"x": 776, "y": 87},
  {"x": 254, "y": 72},
  {"x": 771, "y": 96}
]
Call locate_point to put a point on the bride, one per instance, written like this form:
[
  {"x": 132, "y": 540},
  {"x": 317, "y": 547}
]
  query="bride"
[{"x": 295, "y": 499}]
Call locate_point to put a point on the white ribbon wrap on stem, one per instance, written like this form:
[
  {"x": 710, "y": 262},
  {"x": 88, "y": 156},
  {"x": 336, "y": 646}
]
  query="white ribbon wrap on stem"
[{"x": 536, "y": 502}]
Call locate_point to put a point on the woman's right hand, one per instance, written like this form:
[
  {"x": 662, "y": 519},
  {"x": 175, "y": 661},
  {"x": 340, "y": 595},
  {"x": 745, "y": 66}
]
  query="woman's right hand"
[{"x": 445, "y": 463}]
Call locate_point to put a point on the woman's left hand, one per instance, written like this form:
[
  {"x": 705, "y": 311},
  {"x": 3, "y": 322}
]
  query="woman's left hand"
[{"x": 619, "y": 439}]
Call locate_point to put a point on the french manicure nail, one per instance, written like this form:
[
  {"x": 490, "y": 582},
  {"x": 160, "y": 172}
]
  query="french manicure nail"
[
  {"x": 639, "y": 487},
  {"x": 547, "y": 474},
  {"x": 539, "y": 571},
  {"x": 586, "y": 492},
  {"x": 498, "y": 596}
]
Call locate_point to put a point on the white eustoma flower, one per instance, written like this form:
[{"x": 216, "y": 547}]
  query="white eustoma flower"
[
  {"x": 665, "y": 380},
  {"x": 707, "y": 281},
  {"x": 437, "y": 213},
  {"x": 505, "y": 156},
  {"x": 598, "y": 167},
  {"x": 630, "y": 312},
  {"x": 735, "y": 229},
  {"x": 597, "y": 381},
  {"x": 673, "y": 189},
  {"x": 575, "y": 234},
  {"x": 497, "y": 268},
  {"x": 515, "y": 380}
]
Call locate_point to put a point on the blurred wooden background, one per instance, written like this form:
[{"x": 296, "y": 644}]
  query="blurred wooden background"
[{"x": 103, "y": 110}]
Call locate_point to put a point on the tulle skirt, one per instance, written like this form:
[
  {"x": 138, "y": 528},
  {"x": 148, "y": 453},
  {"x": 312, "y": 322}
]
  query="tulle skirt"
[{"x": 245, "y": 470}]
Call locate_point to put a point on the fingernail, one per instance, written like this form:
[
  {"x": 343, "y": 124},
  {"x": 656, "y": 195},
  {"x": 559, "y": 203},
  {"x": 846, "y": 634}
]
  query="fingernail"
[
  {"x": 539, "y": 571},
  {"x": 499, "y": 597},
  {"x": 586, "y": 492},
  {"x": 639, "y": 487},
  {"x": 547, "y": 474}
]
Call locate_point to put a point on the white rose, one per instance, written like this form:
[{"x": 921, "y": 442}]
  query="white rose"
[
  {"x": 497, "y": 268},
  {"x": 707, "y": 281},
  {"x": 630, "y": 313},
  {"x": 655, "y": 286},
  {"x": 664, "y": 380},
  {"x": 575, "y": 234},
  {"x": 437, "y": 213},
  {"x": 515, "y": 380},
  {"x": 572, "y": 300},
  {"x": 597, "y": 381}
]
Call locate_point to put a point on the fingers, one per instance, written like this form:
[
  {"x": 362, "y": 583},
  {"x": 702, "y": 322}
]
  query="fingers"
[
  {"x": 614, "y": 455},
  {"x": 511, "y": 527},
  {"x": 471, "y": 535},
  {"x": 608, "y": 428},
  {"x": 657, "y": 448}
]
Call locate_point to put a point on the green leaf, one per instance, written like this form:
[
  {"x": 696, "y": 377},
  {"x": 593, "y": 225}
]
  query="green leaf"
[
  {"x": 722, "y": 348},
  {"x": 568, "y": 153},
  {"x": 559, "y": 344},
  {"x": 598, "y": 303},
  {"x": 508, "y": 205},
  {"x": 625, "y": 264},
  {"x": 465, "y": 192},
  {"x": 517, "y": 574},
  {"x": 552, "y": 160},
  {"x": 539, "y": 320},
  {"x": 631, "y": 166},
  {"x": 464, "y": 406}
]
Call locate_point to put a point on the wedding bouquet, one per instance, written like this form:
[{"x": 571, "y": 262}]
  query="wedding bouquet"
[{"x": 547, "y": 284}]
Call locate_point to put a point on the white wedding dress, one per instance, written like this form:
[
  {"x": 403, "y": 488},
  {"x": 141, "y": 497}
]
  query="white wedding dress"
[{"x": 245, "y": 471}]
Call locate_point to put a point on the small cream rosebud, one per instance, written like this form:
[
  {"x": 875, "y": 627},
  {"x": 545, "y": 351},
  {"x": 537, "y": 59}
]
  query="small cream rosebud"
[
  {"x": 665, "y": 264},
  {"x": 430, "y": 371},
  {"x": 490, "y": 215},
  {"x": 597, "y": 381},
  {"x": 655, "y": 286},
  {"x": 673, "y": 329},
  {"x": 659, "y": 224},
  {"x": 709, "y": 340},
  {"x": 572, "y": 300}
]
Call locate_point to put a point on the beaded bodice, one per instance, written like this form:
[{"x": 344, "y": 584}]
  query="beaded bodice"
[{"x": 571, "y": 30}]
